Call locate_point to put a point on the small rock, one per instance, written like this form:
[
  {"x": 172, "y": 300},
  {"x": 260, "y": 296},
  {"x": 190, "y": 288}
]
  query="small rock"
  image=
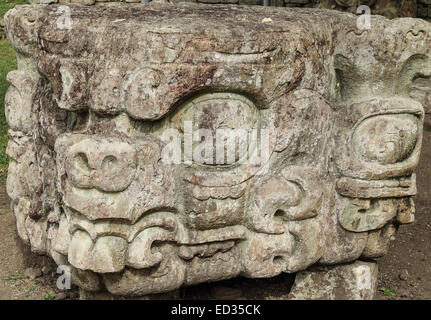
[
  {"x": 403, "y": 293},
  {"x": 392, "y": 238},
  {"x": 33, "y": 273},
  {"x": 404, "y": 275},
  {"x": 46, "y": 269},
  {"x": 61, "y": 296},
  {"x": 225, "y": 293}
]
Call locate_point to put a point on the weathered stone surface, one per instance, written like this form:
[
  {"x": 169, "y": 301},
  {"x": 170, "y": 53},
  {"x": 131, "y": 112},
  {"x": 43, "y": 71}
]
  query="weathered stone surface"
[
  {"x": 388, "y": 8},
  {"x": 154, "y": 146},
  {"x": 2, "y": 29},
  {"x": 421, "y": 91},
  {"x": 356, "y": 281}
]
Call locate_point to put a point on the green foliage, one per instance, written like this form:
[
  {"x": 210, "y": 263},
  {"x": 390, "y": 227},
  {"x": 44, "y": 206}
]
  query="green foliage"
[
  {"x": 29, "y": 291},
  {"x": 388, "y": 292},
  {"x": 6, "y": 5},
  {"x": 48, "y": 296},
  {"x": 13, "y": 277}
]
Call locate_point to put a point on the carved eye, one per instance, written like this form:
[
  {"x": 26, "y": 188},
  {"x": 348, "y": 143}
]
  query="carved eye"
[
  {"x": 81, "y": 162},
  {"x": 386, "y": 139},
  {"x": 109, "y": 163},
  {"x": 222, "y": 125},
  {"x": 80, "y": 171}
]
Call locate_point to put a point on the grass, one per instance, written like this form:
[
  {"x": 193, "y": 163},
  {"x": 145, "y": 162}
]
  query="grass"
[
  {"x": 48, "y": 296},
  {"x": 6, "y": 5},
  {"x": 29, "y": 291},
  {"x": 388, "y": 292},
  {"x": 14, "y": 277}
]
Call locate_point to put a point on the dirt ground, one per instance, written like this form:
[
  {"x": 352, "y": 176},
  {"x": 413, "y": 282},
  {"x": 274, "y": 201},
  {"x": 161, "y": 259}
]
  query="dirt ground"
[
  {"x": 405, "y": 272},
  {"x": 409, "y": 255}
]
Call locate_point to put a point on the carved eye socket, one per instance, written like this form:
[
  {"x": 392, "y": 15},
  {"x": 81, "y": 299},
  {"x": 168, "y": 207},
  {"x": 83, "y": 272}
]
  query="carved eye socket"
[
  {"x": 81, "y": 162},
  {"x": 109, "y": 163},
  {"x": 221, "y": 124},
  {"x": 386, "y": 139}
]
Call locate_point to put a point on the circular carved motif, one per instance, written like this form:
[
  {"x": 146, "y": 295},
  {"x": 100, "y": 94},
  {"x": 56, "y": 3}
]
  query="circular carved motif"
[
  {"x": 386, "y": 139},
  {"x": 222, "y": 125}
]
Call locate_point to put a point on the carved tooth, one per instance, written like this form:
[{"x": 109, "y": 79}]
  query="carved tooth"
[
  {"x": 79, "y": 253},
  {"x": 204, "y": 193},
  {"x": 186, "y": 252},
  {"x": 108, "y": 255},
  {"x": 201, "y": 193},
  {"x": 36, "y": 231},
  {"x": 307, "y": 247},
  {"x": 167, "y": 276},
  {"x": 62, "y": 240},
  {"x": 191, "y": 237},
  {"x": 265, "y": 255},
  {"x": 21, "y": 211},
  {"x": 361, "y": 215},
  {"x": 204, "y": 250},
  {"x": 18, "y": 101}
]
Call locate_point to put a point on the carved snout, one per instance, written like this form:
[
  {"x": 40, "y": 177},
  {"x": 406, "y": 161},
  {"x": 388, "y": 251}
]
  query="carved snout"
[
  {"x": 293, "y": 195},
  {"x": 107, "y": 166}
]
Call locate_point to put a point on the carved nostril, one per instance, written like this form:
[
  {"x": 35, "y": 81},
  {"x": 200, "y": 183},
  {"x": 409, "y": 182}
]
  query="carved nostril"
[
  {"x": 280, "y": 214},
  {"x": 31, "y": 17},
  {"x": 278, "y": 260},
  {"x": 109, "y": 163},
  {"x": 115, "y": 91},
  {"x": 81, "y": 162}
]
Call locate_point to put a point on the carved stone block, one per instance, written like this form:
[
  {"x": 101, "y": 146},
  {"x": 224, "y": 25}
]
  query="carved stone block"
[{"x": 154, "y": 146}]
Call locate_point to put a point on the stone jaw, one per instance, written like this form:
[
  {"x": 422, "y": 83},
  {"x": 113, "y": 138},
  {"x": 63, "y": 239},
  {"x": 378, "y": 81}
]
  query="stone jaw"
[{"x": 87, "y": 178}]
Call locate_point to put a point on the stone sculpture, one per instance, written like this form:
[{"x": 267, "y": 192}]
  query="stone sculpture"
[{"x": 98, "y": 111}]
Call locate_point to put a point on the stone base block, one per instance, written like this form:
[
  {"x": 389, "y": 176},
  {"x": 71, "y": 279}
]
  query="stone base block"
[{"x": 356, "y": 281}]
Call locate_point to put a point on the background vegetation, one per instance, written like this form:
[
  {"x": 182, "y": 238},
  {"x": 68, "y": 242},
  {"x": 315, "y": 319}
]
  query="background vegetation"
[{"x": 5, "y": 5}]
